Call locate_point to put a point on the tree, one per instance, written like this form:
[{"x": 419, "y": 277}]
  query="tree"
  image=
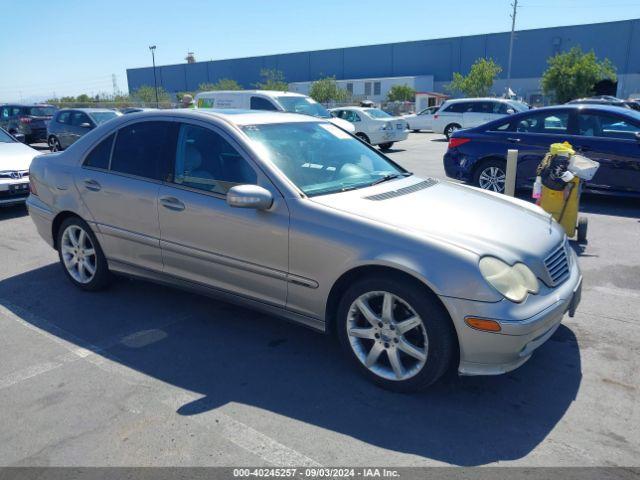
[
  {"x": 574, "y": 74},
  {"x": 147, "y": 95},
  {"x": 272, "y": 79},
  {"x": 326, "y": 90},
  {"x": 222, "y": 84},
  {"x": 479, "y": 81},
  {"x": 401, "y": 93}
]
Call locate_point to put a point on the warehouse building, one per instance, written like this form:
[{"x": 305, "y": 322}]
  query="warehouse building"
[{"x": 427, "y": 65}]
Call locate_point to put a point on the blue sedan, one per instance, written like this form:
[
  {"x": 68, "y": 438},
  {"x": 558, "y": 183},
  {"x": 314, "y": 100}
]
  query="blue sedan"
[{"x": 609, "y": 135}]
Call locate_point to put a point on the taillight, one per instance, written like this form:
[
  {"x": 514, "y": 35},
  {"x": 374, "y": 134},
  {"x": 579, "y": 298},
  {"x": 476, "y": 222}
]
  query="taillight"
[
  {"x": 25, "y": 120},
  {"x": 457, "y": 141}
]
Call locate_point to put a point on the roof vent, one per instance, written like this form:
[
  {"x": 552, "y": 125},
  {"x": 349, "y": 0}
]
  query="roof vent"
[{"x": 429, "y": 182}]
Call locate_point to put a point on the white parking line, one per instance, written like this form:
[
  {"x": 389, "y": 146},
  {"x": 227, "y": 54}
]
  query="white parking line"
[{"x": 243, "y": 435}]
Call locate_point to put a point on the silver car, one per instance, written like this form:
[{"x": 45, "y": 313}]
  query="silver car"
[{"x": 295, "y": 217}]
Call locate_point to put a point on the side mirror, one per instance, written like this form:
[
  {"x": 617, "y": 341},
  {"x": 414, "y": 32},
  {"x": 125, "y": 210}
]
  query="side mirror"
[
  {"x": 249, "y": 196},
  {"x": 85, "y": 125},
  {"x": 510, "y": 111},
  {"x": 20, "y": 137}
]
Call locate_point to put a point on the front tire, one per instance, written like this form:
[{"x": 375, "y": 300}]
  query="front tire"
[
  {"x": 385, "y": 146},
  {"x": 81, "y": 256},
  {"x": 395, "y": 333}
]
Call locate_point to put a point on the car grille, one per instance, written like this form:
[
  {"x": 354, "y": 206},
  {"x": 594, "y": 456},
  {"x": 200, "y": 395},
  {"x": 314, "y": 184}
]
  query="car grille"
[
  {"x": 14, "y": 174},
  {"x": 557, "y": 265},
  {"x": 430, "y": 182}
]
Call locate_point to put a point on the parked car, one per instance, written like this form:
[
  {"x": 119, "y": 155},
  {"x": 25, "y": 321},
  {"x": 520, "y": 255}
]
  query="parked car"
[
  {"x": 609, "y": 135},
  {"x": 15, "y": 158},
  {"x": 374, "y": 126},
  {"x": 423, "y": 120},
  {"x": 69, "y": 124},
  {"x": 135, "y": 109},
  {"x": 607, "y": 100},
  {"x": 470, "y": 112},
  {"x": 28, "y": 120},
  {"x": 269, "y": 100},
  {"x": 293, "y": 216}
]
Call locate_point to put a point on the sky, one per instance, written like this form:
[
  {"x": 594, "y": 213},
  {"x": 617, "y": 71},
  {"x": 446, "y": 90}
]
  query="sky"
[{"x": 69, "y": 47}]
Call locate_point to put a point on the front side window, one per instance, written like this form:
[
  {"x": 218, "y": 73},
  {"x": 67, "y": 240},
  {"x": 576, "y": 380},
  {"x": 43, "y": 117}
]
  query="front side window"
[
  {"x": 350, "y": 116},
  {"x": 206, "y": 161},
  {"x": 320, "y": 158},
  {"x": 4, "y": 113},
  {"x": 99, "y": 156},
  {"x": 606, "y": 126},
  {"x": 143, "y": 149},
  {"x": 259, "y": 103},
  {"x": 551, "y": 123},
  {"x": 78, "y": 118}
]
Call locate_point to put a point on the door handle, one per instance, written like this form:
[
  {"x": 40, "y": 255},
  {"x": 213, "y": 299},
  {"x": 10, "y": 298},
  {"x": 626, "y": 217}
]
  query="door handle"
[
  {"x": 92, "y": 185},
  {"x": 514, "y": 139},
  {"x": 172, "y": 203}
]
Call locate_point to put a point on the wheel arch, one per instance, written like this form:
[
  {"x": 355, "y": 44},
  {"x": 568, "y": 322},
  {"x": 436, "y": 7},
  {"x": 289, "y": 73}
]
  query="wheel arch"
[{"x": 57, "y": 222}]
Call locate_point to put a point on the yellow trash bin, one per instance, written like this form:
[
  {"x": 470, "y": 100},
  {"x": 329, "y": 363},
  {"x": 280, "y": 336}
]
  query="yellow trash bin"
[{"x": 563, "y": 201}]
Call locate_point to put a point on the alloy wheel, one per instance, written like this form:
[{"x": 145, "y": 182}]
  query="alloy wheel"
[
  {"x": 492, "y": 178},
  {"x": 78, "y": 254},
  {"x": 387, "y": 335}
]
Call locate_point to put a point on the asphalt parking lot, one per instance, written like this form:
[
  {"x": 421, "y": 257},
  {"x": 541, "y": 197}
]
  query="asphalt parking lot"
[{"x": 146, "y": 375}]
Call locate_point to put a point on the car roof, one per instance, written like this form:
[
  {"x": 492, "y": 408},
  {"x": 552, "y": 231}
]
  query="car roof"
[
  {"x": 234, "y": 116},
  {"x": 269, "y": 93},
  {"x": 480, "y": 99},
  {"x": 87, "y": 110}
]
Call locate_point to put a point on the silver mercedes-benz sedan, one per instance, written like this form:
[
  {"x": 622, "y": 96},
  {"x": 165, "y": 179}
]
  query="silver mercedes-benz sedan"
[{"x": 293, "y": 216}]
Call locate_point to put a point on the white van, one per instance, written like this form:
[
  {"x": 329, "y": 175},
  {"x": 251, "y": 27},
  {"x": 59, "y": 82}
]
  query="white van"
[
  {"x": 268, "y": 100},
  {"x": 471, "y": 112}
]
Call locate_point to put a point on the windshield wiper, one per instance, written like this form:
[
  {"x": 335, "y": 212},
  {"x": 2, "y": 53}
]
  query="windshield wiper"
[{"x": 390, "y": 176}]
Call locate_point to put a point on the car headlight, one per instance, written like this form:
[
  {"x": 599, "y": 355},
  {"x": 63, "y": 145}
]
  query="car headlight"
[{"x": 514, "y": 282}]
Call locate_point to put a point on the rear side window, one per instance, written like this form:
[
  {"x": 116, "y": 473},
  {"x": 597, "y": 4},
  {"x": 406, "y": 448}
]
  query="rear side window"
[
  {"x": 259, "y": 103},
  {"x": 99, "y": 156},
  {"x": 459, "y": 107},
  {"x": 144, "y": 149},
  {"x": 78, "y": 118}
]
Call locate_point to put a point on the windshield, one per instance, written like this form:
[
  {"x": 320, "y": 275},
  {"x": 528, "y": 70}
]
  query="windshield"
[
  {"x": 319, "y": 158},
  {"x": 5, "y": 137},
  {"x": 101, "y": 117},
  {"x": 376, "y": 113},
  {"x": 41, "y": 111},
  {"x": 303, "y": 105},
  {"x": 519, "y": 106}
]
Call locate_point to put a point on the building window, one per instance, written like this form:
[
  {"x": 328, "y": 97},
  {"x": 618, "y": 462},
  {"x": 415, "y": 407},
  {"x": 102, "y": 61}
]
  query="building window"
[
  {"x": 367, "y": 88},
  {"x": 350, "y": 88},
  {"x": 376, "y": 88}
]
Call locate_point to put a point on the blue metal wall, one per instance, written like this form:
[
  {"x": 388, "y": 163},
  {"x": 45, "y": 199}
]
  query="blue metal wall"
[{"x": 618, "y": 41}]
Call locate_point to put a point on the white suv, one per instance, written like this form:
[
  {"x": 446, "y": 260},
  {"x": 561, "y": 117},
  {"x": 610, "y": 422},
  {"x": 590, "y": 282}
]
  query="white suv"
[
  {"x": 373, "y": 125},
  {"x": 471, "y": 112}
]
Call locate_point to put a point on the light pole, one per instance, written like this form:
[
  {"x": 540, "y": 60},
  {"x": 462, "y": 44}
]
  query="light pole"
[
  {"x": 155, "y": 81},
  {"x": 513, "y": 28}
]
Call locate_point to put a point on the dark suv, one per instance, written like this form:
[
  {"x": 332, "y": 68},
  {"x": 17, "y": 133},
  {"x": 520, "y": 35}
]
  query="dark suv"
[{"x": 29, "y": 120}]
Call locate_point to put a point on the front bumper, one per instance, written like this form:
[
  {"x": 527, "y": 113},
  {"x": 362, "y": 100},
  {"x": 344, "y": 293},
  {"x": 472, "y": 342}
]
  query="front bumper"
[
  {"x": 13, "y": 191},
  {"x": 525, "y": 326}
]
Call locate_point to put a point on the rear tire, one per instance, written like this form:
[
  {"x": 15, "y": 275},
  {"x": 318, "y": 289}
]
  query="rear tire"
[
  {"x": 81, "y": 256},
  {"x": 491, "y": 175},
  {"x": 402, "y": 357},
  {"x": 449, "y": 129},
  {"x": 54, "y": 144},
  {"x": 583, "y": 224},
  {"x": 385, "y": 146},
  {"x": 363, "y": 137}
]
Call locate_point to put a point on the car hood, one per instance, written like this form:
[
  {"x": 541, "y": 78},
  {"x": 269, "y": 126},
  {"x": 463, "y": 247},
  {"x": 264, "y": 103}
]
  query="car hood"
[
  {"x": 16, "y": 156},
  {"x": 467, "y": 217}
]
